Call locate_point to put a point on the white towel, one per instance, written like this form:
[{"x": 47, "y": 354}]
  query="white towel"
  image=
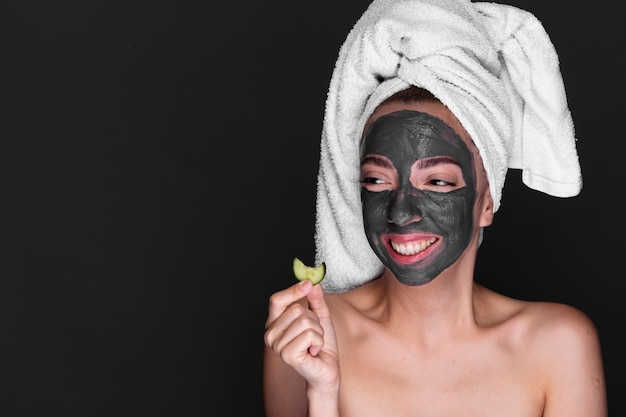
[{"x": 492, "y": 65}]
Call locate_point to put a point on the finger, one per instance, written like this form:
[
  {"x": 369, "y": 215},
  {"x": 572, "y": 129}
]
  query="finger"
[
  {"x": 317, "y": 302},
  {"x": 298, "y": 349},
  {"x": 297, "y": 322},
  {"x": 280, "y": 300}
]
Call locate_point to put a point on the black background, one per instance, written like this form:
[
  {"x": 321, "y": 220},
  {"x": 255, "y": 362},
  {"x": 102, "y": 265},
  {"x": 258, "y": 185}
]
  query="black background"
[{"x": 158, "y": 163}]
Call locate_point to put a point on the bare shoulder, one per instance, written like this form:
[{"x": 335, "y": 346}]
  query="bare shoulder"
[
  {"x": 559, "y": 344},
  {"x": 561, "y": 334},
  {"x": 540, "y": 324},
  {"x": 557, "y": 320}
]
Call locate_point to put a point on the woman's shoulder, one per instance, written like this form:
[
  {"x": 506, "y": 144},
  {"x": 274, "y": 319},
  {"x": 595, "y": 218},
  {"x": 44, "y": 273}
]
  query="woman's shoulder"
[
  {"x": 543, "y": 313},
  {"x": 552, "y": 328},
  {"x": 560, "y": 328}
]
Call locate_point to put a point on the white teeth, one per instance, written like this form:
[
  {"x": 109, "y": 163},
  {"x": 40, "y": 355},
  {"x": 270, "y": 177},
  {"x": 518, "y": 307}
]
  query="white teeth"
[{"x": 412, "y": 248}]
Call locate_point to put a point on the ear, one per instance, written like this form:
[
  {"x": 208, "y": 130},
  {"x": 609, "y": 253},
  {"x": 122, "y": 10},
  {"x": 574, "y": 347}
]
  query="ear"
[{"x": 486, "y": 209}]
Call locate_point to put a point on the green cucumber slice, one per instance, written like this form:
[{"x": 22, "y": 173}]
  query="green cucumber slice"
[{"x": 315, "y": 274}]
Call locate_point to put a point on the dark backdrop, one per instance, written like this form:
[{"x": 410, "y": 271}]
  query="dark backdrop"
[{"x": 157, "y": 176}]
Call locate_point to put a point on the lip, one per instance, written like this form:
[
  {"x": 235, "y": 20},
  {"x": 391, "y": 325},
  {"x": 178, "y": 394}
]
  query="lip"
[{"x": 410, "y": 248}]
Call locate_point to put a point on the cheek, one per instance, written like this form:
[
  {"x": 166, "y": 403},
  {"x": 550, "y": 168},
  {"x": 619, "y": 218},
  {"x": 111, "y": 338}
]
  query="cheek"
[
  {"x": 456, "y": 214},
  {"x": 457, "y": 209},
  {"x": 374, "y": 209}
]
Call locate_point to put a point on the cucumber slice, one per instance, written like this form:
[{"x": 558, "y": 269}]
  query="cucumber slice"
[{"x": 313, "y": 273}]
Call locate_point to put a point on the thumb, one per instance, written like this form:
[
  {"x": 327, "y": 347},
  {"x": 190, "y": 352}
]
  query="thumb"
[{"x": 317, "y": 303}]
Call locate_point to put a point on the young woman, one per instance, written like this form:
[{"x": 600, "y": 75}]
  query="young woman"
[{"x": 399, "y": 327}]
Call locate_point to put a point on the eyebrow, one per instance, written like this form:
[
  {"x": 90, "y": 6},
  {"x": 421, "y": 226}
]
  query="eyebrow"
[
  {"x": 421, "y": 164},
  {"x": 377, "y": 160},
  {"x": 436, "y": 160}
]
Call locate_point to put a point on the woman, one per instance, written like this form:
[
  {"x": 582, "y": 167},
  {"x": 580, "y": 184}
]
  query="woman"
[{"x": 427, "y": 109}]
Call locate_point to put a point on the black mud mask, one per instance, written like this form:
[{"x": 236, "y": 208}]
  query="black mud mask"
[{"x": 418, "y": 214}]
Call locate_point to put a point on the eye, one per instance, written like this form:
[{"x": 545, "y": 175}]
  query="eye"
[
  {"x": 441, "y": 183},
  {"x": 372, "y": 180},
  {"x": 438, "y": 174},
  {"x": 377, "y": 174},
  {"x": 375, "y": 184}
]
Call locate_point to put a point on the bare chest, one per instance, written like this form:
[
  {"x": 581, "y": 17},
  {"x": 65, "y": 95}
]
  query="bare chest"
[{"x": 474, "y": 379}]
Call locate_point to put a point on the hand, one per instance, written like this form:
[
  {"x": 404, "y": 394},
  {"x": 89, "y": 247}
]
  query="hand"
[{"x": 300, "y": 331}]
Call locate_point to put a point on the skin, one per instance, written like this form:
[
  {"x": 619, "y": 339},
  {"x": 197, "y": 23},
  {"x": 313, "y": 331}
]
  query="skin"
[
  {"x": 418, "y": 192},
  {"x": 447, "y": 347}
]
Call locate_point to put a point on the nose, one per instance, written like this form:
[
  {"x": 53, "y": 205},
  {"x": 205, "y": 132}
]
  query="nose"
[{"x": 403, "y": 208}]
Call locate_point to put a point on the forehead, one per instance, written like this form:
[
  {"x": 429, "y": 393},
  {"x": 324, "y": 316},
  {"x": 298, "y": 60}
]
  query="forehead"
[
  {"x": 434, "y": 108},
  {"x": 416, "y": 135},
  {"x": 437, "y": 109}
]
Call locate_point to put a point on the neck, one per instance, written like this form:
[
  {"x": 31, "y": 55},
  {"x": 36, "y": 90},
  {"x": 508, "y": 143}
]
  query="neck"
[{"x": 439, "y": 309}]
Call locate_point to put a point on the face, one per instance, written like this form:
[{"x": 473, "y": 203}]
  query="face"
[{"x": 418, "y": 194}]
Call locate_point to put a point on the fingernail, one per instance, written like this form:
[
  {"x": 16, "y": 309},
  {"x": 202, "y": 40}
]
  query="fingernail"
[{"x": 306, "y": 285}]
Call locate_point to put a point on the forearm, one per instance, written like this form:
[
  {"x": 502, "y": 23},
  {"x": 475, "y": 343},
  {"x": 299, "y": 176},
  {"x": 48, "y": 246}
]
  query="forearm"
[{"x": 323, "y": 403}]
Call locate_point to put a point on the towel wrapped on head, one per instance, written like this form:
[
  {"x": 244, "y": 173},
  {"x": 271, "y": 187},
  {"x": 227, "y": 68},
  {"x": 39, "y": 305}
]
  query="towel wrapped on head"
[{"x": 492, "y": 65}]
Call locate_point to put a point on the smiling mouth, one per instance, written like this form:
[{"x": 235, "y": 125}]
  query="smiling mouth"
[{"x": 412, "y": 248}]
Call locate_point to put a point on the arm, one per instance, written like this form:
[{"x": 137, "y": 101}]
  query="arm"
[
  {"x": 576, "y": 386},
  {"x": 301, "y": 365},
  {"x": 284, "y": 390}
]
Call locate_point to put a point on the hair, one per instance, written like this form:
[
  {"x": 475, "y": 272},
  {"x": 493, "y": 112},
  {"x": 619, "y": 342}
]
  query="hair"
[{"x": 411, "y": 94}]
